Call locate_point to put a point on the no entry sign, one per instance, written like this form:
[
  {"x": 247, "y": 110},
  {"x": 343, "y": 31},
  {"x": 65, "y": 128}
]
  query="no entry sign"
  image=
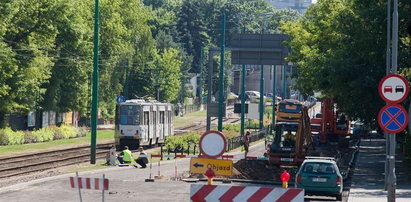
[
  {"x": 393, "y": 88},
  {"x": 393, "y": 118},
  {"x": 213, "y": 144}
]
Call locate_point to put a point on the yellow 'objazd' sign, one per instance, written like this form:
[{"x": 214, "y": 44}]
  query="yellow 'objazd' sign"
[{"x": 219, "y": 166}]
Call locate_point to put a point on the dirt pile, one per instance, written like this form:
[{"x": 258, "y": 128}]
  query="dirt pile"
[{"x": 257, "y": 170}]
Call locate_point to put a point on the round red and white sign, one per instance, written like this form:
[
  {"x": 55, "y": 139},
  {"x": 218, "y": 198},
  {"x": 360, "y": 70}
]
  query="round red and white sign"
[
  {"x": 213, "y": 144},
  {"x": 393, "y": 88}
]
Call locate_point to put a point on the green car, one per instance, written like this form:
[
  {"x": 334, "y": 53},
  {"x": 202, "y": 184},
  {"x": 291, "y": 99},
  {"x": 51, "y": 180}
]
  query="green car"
[{"x": 320, "y": 176}]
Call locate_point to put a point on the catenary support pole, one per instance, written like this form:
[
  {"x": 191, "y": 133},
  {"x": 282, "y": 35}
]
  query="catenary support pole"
[
  {"x": 95, "y": 88},
  {"x": 387, "y": 71},
  {"x": 242, "y": 99},
  {"x": 200, "y": 82},
  {"x": 210, "y": 87},
  {"x": 221, "y": 86},
  {"x": 392, "y": 179},
  {"x": 261, "y": 108},
  {"x": 274, "y": 99},
  {"x": 284, "y": 82}
]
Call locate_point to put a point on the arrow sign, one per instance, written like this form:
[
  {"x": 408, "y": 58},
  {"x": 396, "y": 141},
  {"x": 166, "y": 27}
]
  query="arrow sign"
[
  {"x": 393, "y": 118},
  {"x": 198, "y": 165}
]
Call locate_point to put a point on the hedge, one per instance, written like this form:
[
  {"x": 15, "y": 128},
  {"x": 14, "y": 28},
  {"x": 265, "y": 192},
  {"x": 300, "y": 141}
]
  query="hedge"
[{"x": 10, "y": 137}]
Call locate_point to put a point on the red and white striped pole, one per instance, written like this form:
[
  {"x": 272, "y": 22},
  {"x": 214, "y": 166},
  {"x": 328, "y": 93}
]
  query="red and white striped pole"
[{"x": 151, "y": 166}]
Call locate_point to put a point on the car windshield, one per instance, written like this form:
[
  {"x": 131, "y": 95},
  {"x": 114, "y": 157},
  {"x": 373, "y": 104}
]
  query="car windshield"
[
  {"x": 290, "y": 108},
  {"x": 318, "y": 168},
  {"x": 129, "y": 115}
]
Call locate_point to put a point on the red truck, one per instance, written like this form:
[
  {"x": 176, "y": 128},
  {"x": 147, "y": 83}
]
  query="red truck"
[{"x": 331, "y": 124}]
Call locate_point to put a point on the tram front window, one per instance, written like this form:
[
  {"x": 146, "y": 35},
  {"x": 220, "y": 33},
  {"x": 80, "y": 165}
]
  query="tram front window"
[{"x": 129, "y": 115}]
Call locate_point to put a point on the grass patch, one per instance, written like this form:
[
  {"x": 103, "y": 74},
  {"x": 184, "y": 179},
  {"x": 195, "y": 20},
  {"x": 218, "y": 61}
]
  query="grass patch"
[
  {"x": 102, "y": 135},
  {"x": 190, "y": 118},
  {"x": 100, "y": 164}
]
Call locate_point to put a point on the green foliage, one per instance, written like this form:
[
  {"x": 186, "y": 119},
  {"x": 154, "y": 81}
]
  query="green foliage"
[
  {"x": 191, "y": 138},
  {"x": 232, "y": 127},
  {"x": 167, "y": 78},
  {"x": 339, "y": 47},
  {"x": 10, "y": 137},
  {"x": 64, "y": 132},
  {"x": 44, "y": 134}
]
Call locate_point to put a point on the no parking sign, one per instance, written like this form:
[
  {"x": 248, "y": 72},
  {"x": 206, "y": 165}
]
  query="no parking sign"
[{"x": 393, "y": 118}]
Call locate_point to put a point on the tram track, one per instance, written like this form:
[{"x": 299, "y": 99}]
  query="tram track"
[
  {"x": 30, "y": 163},
  {"x": 19, "y": 165}
]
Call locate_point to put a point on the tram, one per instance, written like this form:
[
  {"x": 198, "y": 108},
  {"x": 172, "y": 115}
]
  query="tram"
[{"x": 142, "y": 122}]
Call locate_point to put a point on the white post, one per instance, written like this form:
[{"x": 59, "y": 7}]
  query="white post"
[
  {"x": 103, "y": 188},
  {"x": 78, "y": 186}
]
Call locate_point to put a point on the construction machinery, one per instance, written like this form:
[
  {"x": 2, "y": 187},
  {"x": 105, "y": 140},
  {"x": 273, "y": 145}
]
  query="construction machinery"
[
  {"x": 332, "y": 125},
  {"x": 289, "y": 111},
  {"x": 292, "y": 140}
]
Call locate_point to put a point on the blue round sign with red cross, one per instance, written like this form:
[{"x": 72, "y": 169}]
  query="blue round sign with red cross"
[{"x": 393, "y": 118}]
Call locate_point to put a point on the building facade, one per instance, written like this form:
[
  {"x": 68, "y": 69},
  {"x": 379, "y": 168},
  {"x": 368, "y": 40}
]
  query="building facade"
[{"x": 299, "y": 5}]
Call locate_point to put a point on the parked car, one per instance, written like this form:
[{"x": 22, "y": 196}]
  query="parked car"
[
  {"x": 320, "y": 176},
  {"x": 252, "y": 94}
]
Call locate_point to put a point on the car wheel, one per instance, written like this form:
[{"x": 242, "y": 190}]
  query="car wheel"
[{"x": 339, "y": 197}]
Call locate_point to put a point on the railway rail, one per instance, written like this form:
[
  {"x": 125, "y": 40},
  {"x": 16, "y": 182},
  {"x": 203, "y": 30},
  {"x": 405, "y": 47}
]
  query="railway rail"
[
  {"x": 24, "y": 164},
  {"x": 30, "y": 163}
]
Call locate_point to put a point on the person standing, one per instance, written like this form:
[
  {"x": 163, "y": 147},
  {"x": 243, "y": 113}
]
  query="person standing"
[
  {"x": 125, "y": 156},
  {"x": 142, "y": 160},
  {"x": 246, "y": 142}
]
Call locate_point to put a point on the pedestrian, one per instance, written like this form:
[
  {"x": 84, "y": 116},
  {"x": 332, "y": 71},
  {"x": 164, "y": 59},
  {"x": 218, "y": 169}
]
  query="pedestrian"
[
  {"x": 142, "y": 159},
  {"x": 125, "y": 156},
  {"x": 246, "y": 142}
]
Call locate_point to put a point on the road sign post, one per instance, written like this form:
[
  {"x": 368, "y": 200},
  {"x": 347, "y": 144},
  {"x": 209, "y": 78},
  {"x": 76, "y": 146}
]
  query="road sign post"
[
  {"x": 392, "y": 118},
  {"x": 212, "y": 145}
]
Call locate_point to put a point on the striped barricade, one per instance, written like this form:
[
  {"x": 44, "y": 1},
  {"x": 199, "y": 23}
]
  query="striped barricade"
[
  {"x": 89, "y": 183},
  {"x": 204, "y": 193}
]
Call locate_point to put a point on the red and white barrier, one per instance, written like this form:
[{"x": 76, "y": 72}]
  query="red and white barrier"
[
  {"x": 89, "y": 183},
  {"x": 204, "y": 193}
]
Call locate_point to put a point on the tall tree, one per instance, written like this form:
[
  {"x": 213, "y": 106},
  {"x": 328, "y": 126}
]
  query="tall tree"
[
  {"x": 192, "y": 30},
  {"x": 339, "y": 48}
]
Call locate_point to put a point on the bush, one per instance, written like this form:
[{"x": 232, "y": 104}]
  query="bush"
[
  {"x": 44, "y": 134},
  {"x": 29, "y": 137},
  {"x": 65, "y": 132},
  {"x": 10, "y": 137},
  {"x": 183, "y": 140},
  {"x": 232, "y": 127},
  {"x": 81, "y": 131}
]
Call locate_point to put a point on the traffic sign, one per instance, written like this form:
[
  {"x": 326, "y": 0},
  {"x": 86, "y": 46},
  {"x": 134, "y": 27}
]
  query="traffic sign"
[
  {"x": 212, "y": 144},
  {"x": 393, "y": 88},
  {"x": 393, "y": 118},
  {"x": 219, "y": 166},
  {"x": 120, "y": 99}
]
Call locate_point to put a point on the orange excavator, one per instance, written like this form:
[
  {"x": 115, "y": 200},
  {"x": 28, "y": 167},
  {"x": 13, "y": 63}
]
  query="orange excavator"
[
  {"x": 332, "y": 125},
  {"x": 291, "y": 141}
]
